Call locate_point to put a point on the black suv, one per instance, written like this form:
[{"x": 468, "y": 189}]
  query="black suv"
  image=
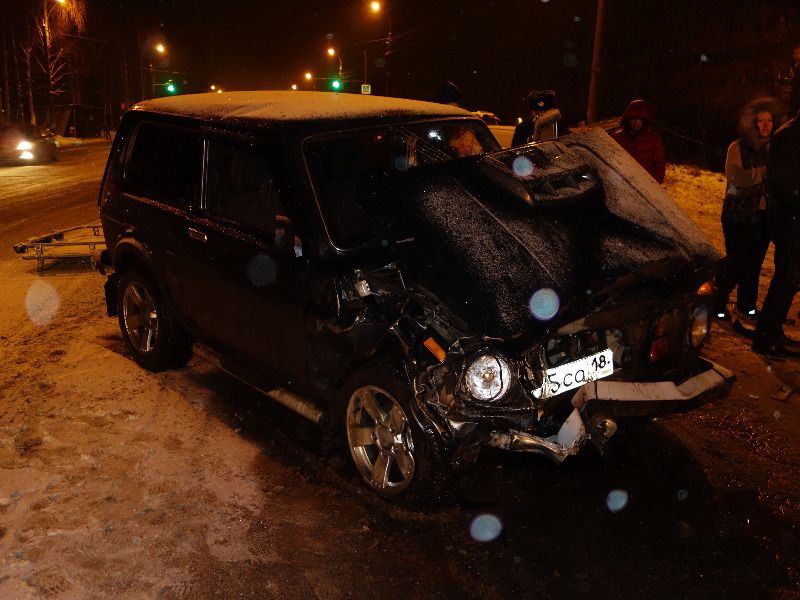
[{"x": 383, "y": 268}]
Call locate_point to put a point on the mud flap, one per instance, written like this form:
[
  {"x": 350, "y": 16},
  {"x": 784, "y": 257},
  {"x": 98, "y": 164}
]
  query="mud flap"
[{"x": 110, "y": 287}]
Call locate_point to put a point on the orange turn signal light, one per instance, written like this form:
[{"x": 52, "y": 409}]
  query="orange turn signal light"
[
  {"x": 707, "y": 289},
  {"x": 435, "y": 349}
]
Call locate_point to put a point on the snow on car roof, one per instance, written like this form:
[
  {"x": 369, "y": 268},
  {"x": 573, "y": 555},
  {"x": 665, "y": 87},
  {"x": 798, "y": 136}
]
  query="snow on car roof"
[{"x": 293, "y": 106}]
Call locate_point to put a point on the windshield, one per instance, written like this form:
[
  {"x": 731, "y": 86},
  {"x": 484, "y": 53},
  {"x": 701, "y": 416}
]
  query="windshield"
[{"x": 344, "y": 166}]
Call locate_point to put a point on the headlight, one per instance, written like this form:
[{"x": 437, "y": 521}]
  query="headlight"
[
  {"x": 488, "y": 377},
  {"x": 698, "y": 329},
  {"x": 24, "y": 145}
]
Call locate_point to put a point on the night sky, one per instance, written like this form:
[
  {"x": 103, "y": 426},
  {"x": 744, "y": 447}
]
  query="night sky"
[
  {"x": 495, "y": 52},
  {"x": 696, "y": 62}
]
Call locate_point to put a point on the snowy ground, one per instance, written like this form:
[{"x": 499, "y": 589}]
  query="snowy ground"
[{"x": 116, "y": 482}]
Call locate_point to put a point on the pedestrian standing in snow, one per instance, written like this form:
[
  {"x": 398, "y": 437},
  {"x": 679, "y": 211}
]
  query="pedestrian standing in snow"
[
  {"x": 640, "y": 140},
  {"x": 542, "y": 122},
  {"x": 783, "y": 208},
  {"x": 744, "y": 210},
  {"x": 448, "y": 93}
]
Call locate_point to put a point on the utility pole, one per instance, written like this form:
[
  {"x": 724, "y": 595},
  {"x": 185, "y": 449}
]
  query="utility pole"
[{"x": 594, "y": 78}]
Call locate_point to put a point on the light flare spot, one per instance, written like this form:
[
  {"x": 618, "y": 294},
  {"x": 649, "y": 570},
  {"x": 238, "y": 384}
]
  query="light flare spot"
[
  {"x": 683, "y": 495},
  {"x": 570, "y": 60},
  {"x": 544, "y": 304},
  {"x": 41, "y": 302},
  {"x": 617, "y": 500},
  {"x": 261, "y": 270},
  {"x": 576, "y": 18},
  {"x": 485, "y": 528},
  {"x": 703, "y": 58},
  {"x": 777, "y": 414},
  {"x": 522, "y": 166}
]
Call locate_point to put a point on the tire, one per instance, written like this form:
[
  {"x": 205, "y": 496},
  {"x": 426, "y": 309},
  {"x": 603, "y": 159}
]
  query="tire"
[
  {"x": 153, "y": 337},
  {"x": 396, "y": 455}
]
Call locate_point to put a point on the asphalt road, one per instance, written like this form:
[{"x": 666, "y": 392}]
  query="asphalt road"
[{"x": 37, "y": 199}]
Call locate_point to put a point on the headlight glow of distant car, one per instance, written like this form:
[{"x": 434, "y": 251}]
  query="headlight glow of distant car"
[
  {"x": 488, "y": 377},
  {"x": 24, "y": 145},
  {"x": 699, "y": 326}
]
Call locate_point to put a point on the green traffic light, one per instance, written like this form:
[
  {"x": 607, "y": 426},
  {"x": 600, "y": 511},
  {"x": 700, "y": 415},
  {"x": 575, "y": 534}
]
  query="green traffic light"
[
  {"x": 336, "y": 84},
  {"x": 171, "y": 88}
]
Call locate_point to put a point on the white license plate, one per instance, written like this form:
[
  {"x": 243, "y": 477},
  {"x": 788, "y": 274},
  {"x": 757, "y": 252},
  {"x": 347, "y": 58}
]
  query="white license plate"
[{"x": 573, "y": 375}]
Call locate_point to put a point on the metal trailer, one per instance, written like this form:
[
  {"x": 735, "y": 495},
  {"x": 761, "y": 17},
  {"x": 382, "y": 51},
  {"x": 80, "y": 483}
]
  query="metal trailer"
[{"x": 84, "y": 242}]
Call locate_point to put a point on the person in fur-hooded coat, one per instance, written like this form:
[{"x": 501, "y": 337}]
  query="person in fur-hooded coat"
[{"x": 744, "y": 210}]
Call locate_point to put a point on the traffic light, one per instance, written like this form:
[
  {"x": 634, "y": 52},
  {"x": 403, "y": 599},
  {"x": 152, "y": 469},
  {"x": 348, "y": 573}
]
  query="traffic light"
[
  {"x": 171, "y": 89},
  {"x": 336, "y": 84}
]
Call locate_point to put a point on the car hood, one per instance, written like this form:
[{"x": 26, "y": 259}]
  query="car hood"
[{"x": 483, "y": 239}]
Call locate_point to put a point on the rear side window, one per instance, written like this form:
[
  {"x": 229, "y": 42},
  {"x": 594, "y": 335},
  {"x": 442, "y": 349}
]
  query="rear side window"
[
  {"x": 241, "y": 187},
  {"x": 165, "y": 164}
]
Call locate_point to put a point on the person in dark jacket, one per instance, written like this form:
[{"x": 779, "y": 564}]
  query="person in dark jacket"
[
  {"x": 447, "y": 92},
  {"x": 542, "y": 122},
  {"x": 642, "y": 142},
  {"x": 744, "y": 210},
  {"x": 783, "y": 208}
]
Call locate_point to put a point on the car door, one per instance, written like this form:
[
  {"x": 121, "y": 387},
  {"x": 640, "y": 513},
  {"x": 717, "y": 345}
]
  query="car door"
[
  {"x": 161, "y": 182},
  {"x": 249, "y": 291}
]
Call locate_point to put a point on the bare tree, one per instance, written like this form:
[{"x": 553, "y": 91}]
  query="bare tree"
[{"x": 54, "y": 19}]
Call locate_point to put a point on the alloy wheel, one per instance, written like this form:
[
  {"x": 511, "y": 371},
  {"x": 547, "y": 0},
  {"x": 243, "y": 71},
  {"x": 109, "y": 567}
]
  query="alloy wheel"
[
  {"x": 140, "y": 317},
  {"x": 380, "y": 440}
]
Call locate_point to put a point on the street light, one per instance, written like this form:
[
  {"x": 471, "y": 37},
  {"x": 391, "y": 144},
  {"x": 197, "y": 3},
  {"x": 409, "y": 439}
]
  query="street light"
[
  {"x": 158, "y": 48},
  {"x": 377, "y": 8},
  {"x": 332, "y": 52}
]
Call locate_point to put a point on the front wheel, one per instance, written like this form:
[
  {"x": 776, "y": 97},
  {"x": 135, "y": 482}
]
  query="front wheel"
[
  {"x": 148, "y": 326},
  {"x": 396, "y": 455}
]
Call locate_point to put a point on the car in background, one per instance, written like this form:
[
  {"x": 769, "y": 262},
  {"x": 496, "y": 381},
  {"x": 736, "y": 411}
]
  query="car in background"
[
  {"x": 487, "y": 117},
  {"x": 23, "y": 144},
  {"x": 383, "y": 268}
]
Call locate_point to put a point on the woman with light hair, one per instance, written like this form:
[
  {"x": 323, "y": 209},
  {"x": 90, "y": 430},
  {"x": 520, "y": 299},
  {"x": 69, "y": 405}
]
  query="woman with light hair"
[{"x": 744, "y": 210}]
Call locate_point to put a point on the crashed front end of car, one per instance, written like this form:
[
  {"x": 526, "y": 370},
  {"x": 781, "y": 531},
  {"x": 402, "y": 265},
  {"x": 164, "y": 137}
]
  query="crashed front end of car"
[
  {"x": 571, "y": 386},
  {"x": 542, "y": 294}
]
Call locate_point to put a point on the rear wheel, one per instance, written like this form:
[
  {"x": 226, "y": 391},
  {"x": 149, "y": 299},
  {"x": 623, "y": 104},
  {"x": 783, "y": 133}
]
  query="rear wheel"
[
  {"x": 148, "y": 326},
  {"x": 398, "y": 457}
]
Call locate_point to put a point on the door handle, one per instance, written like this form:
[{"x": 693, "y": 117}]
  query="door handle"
[{"x": 198, "y": 235}]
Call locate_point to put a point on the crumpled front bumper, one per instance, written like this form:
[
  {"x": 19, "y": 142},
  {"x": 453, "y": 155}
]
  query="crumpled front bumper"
[{"x": 599, "y": 400}]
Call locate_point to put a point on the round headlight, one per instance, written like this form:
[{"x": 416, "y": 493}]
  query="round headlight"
[
  {"x": 698, "y": 331},
  {"x": 24, "y": 145},
  {"x": 488, "y": 377}
]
